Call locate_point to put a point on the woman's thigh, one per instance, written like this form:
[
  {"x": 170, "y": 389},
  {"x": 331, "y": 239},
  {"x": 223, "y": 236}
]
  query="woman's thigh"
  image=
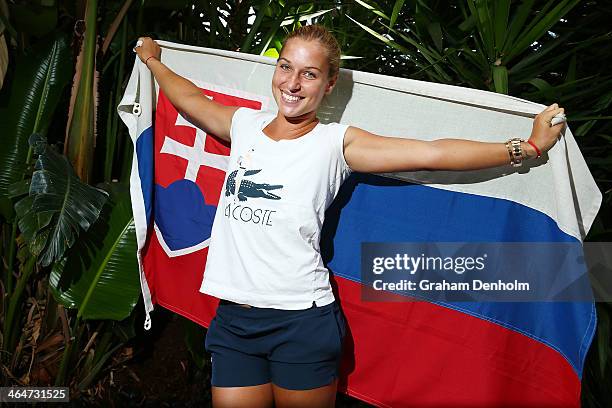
[
  {"x": 256, "y": 396},
  {"x": 322, "y": 397}
]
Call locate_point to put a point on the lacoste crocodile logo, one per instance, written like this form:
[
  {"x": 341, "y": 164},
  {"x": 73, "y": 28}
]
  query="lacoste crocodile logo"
[{"x": 248, "y": 188}]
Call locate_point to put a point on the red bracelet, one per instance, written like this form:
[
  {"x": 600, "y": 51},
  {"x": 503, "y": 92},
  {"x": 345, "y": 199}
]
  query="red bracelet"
[
  {"x": 536, "y": 148},
  {"x": 147, "y": 60}
]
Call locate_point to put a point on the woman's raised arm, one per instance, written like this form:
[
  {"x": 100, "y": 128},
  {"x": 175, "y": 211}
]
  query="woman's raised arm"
[
  {"x": 186, "y": 97},
  {"x": 370, "y": 153}
]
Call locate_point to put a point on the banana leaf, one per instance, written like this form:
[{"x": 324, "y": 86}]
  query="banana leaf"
[
  {"x": 58, "y": 204},
  {"x": 99, "y": 275},
  {"x": 27, "y": 104},
  {"x": 35, "y": 18},
  {"x": 81, "y": 128}
]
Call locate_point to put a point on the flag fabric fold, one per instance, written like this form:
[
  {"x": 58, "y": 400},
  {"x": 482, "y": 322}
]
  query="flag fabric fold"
[{"x": 417, "y": 354}]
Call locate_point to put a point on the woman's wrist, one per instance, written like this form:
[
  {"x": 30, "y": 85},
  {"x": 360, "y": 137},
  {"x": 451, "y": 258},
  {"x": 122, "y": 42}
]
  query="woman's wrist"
[
  {"x": 520, "y": 150},
  {"x": 529, "y": 152},
  {"x": 151, "y": 57}
]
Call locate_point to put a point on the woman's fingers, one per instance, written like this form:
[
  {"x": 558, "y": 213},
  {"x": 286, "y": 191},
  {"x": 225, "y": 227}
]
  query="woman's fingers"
[
  {"x": 546, "y": 116},
  {"x": 551, "y": 115},
  {"x": 555, "y": 112},
  {"x": 139, "y": 43},
  {"x": 146, "y": 47},
  {"x": 548, "y": 109}
]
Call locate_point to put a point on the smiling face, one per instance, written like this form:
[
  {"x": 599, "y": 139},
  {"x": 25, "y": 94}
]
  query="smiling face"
[{"x": 301, "y": 78}]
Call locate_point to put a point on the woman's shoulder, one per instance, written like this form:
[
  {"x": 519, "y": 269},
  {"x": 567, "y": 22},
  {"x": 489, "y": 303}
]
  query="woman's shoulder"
[
  {"x": 246, "y": 120},
  {"x": 250, "y": 114},
  {"x": 335, "y": 127},
  {"x": 254, "y": 112}
]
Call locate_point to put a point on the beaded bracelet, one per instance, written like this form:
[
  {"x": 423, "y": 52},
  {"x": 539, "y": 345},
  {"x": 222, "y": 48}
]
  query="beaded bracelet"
[{"x": 147, "y": 60}]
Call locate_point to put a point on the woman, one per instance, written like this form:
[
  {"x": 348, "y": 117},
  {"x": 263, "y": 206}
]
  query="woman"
[{"x": 277, "y": 336}]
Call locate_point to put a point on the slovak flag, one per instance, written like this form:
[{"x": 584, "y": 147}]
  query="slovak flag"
[
  {"x": 397, "y": 354},
  {"x": 177, "y": 179}
]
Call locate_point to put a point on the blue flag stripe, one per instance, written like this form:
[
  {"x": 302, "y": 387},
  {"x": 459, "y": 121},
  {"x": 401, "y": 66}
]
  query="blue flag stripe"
[{"x": 381, "y": 209}]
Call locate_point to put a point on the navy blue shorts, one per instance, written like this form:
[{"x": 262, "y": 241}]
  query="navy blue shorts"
[{"x": 294, "y": 349}]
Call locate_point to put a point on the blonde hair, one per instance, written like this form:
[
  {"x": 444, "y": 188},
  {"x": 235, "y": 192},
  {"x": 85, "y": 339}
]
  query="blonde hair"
[{"x": 319, "y": 33}]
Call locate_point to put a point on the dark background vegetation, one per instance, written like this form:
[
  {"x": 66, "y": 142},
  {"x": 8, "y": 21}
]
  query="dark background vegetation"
[{"x": 69, "y": 283}]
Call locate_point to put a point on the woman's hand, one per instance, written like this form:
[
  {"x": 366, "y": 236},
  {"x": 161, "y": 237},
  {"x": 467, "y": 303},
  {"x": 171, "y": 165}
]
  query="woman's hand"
[
  {"x": 543, "y": 134},
  {"x": 149, "y": 48}
]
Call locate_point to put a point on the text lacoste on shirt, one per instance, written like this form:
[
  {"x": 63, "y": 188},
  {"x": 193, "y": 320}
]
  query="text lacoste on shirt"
[{"x": 240, "y": 212}]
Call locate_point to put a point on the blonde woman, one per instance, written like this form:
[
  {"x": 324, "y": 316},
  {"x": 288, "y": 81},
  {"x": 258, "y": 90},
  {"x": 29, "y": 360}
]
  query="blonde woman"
[{"x": 276, "y": 339}]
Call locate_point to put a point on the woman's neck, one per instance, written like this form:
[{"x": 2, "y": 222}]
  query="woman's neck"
[{"x": 282, "y": 127}]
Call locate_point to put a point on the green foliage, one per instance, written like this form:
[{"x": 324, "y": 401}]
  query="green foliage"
[
  {"x": 57, "y": 206},
  {"x": 99, "y": 276},
  {"x": 81, "y": 132},
  {"x": 475, "y": 43},
  {"x": 27, "y": 104},
  {"x": 34, "y": 17}
]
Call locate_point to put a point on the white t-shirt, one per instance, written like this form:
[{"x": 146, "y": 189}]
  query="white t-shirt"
[{"x": 264, "y": 248}]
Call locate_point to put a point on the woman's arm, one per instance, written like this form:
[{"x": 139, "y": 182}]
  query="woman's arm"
[
  {"x": 370, "y": 153},
  {"x": 186, "y": 97}
]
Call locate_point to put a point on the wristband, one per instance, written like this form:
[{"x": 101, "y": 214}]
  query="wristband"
[
  {"x": 147, "y": 60},
  {"x": 536, "y": 149}
]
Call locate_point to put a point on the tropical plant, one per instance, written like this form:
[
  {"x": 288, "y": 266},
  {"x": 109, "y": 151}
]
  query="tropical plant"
[
  {"x": 49, "y": 217},
  {"x": 81, "y": 129},
  {"x": 56, "y": 206},
  {"x": 39, "y": 83}
]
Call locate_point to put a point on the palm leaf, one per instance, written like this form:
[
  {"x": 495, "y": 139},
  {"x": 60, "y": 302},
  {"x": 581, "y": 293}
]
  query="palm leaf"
[
  {"x": 500, "y": 78},
  {"x": 544, "y": 23},
  {"x": 99, "y": 276},
  {"x": 57, "y": 207},
  {"x": 484, "y": 22},
  {"x": 517, "y": 24},
  {"x": 27, "y": 104},
  {"x": 374, "y": 8},
  {"x": 275, "y": 26},
  {"x": 500, "y": 23},
  {"x": 260, "y": 14},
  {"x": 303, "y": 16},
  {"x": 81, "y": 128},
  {"x": 396, "y": 10}
]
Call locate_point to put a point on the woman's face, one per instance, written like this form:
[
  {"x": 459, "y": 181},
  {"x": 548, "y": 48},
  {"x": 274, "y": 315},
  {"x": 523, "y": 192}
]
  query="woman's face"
[{"x": 301, "y": 78}]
